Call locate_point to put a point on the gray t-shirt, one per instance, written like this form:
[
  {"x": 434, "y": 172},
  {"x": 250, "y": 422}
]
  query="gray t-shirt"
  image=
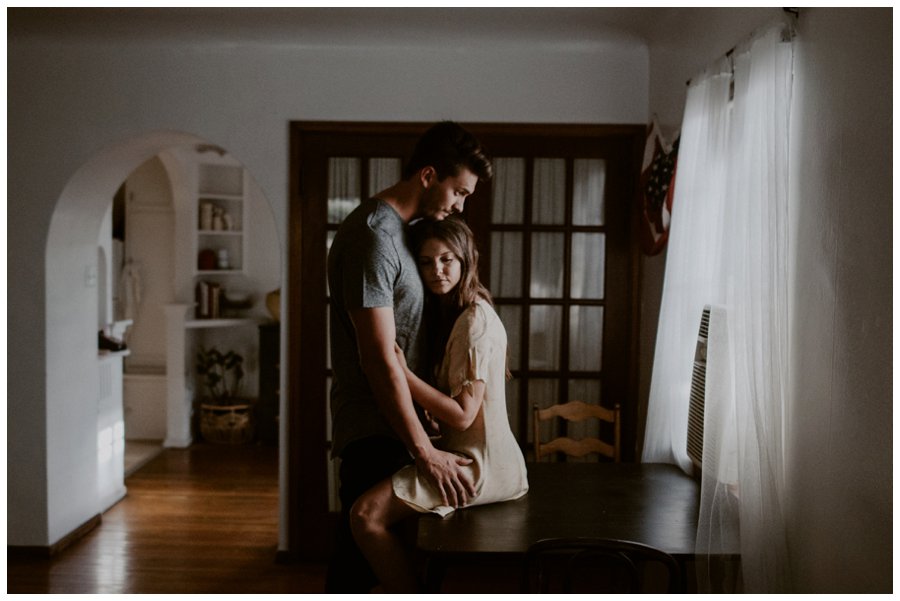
[{"x": 369, "y": 265}]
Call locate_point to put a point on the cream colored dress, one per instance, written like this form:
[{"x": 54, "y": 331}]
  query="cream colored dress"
[{"x": 476, "y": 350}]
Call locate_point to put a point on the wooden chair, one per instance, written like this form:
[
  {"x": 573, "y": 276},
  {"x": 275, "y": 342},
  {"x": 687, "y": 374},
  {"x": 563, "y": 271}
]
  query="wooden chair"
[
  {"x": 577, "y": 411},
  {"x": 592, "y": 565}
]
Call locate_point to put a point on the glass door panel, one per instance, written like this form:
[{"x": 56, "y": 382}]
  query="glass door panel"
[
  {"x": 589, "y": 186},
  {"x": 343, "y": 187},
  {"x": 508, "y": 203},
  {"x": 506, "y": 264},
  {"x": 588, "y": 265},
  {"x": 547, "y": 264},
  {"x": 383, "y": 173},
  {"x": 544, "y": 337},
  {"x": 585, "y": 338},
  {"x": 549, "y": 201}
]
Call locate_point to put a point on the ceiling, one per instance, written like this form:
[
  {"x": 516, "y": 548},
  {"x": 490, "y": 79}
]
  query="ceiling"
[{"x": 343, "y": 26}]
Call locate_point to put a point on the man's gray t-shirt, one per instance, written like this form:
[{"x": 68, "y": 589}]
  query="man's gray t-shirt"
[{"x": 369, "y": 265}]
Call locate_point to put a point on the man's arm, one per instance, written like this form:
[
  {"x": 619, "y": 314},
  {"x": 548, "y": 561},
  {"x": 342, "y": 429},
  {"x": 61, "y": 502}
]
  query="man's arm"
[{"x": 375, "y": 335}]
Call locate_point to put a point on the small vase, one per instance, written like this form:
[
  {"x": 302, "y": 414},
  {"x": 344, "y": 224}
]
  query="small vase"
[{"x": 273, "y": 304}]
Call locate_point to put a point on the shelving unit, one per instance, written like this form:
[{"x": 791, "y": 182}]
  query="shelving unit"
[
  {"x": 219, "y": 235},
  {"x": 196, "y": 324}
]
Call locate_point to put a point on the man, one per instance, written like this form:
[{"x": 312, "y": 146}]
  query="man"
[{"x": 377, "y": 300}]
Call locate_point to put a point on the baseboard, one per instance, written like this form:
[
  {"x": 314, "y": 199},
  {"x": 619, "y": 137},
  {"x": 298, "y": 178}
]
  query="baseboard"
[
  {"x": 47, "y": 552},
  {"x": 177, "y": 443}
]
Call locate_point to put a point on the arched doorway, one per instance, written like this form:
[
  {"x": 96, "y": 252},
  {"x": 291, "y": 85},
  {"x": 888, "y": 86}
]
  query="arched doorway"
[{"x": 80, "y": 429}]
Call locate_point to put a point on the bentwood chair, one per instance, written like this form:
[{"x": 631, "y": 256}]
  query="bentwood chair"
[
  {"x": 577, "y": 411},
  {"x": 591, "y": 565}
]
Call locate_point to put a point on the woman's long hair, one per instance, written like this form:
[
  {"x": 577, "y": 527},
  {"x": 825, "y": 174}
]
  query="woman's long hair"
[{"x": 440, "y": 316}]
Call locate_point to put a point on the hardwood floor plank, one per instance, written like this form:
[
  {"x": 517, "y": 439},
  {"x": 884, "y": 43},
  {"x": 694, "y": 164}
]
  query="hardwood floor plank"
[{"x": 196, "y": 520}]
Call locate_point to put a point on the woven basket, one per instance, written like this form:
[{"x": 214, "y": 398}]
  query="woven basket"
[{"x": 227, "y": 424}]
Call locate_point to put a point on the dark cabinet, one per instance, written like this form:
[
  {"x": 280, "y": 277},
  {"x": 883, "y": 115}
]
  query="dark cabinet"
[{"x": 269, "y": 382}]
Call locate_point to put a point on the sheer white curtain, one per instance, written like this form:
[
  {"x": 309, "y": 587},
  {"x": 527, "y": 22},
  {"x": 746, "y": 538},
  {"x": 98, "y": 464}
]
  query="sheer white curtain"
[
  {"x": 695, "y": 238},
  {"x": 728, "y": 247}
]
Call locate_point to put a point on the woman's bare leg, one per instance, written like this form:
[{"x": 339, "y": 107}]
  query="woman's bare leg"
[{"x": 371, "y": 521}]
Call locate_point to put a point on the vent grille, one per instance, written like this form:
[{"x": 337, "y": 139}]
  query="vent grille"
[{"x": 698, "y": 394}]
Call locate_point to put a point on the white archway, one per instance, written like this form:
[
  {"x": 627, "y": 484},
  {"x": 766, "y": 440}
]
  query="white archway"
[{"x": 72, "y": 295}]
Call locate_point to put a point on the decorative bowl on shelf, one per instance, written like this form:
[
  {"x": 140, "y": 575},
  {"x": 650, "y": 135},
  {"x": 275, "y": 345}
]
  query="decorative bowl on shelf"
[{"x": 238, "y": 299}]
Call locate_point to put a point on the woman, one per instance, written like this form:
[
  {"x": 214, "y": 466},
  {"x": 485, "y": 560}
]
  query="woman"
[{"x": 469, "y": 345}]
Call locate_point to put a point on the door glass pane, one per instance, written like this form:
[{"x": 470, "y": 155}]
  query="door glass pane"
[
  {"x": 343, "y": 187},
  {"x": 585, "y": 338},
  {"x": 549, "y": 193},
  {"x": 506, "y": 264},
  {"x": 588, "y": 265},
  {"x": 543, "y": 393},
  {"x": 544, "y": 337},
  {"x": 508, "y": 205},
  {"x": 547, "y": 262},
  {"x": 329, "y": 239},
  {"x": 511, "y": 316},
  {"x": 585, "y": 390},
  {"x": 589, "y": 184},
  {"x": 383, "y": 173}
]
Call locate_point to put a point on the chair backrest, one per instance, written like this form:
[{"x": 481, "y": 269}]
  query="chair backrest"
[
  {"x": 591, "y": 565},
  {"x": 577, "y": 411}
]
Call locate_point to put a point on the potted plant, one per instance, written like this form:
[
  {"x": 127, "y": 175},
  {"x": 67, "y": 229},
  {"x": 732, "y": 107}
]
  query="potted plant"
[{"x": 224, "y": 416}]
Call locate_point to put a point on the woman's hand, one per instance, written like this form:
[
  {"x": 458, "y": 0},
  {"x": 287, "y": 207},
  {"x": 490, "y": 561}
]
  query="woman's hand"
[
  {"x": 400, "y": 357},
  {"x": 432, "y": 426}
]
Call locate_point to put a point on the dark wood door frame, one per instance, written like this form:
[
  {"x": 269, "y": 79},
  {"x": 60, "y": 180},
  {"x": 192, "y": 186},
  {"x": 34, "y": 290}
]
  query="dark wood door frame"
[{"x": 309, "y": 521}]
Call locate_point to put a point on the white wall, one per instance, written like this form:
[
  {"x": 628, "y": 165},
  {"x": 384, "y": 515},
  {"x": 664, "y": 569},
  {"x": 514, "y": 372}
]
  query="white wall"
[
  {"x": 840, "y": 471},
  {"x": 839, "y": 463},
  {"x": 72, "y": 103},
  {"x": 149, "y": 243}
]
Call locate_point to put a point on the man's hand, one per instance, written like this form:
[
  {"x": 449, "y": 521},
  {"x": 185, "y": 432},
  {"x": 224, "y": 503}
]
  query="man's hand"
[{"x": 444, "y": 471}]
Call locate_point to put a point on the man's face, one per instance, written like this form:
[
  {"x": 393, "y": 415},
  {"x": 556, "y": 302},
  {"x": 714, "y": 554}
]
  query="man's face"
[{"x": 443, "y": 198}]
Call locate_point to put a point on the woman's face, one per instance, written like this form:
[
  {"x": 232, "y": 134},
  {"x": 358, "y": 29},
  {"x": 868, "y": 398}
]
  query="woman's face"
[{"x": 439, "y": 267}]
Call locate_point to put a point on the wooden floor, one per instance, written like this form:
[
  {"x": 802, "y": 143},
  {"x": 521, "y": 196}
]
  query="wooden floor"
[{"x": 197, "y": 520}]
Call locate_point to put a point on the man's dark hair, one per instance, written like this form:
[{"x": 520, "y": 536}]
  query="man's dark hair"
[{"x": 449, "y": 147}]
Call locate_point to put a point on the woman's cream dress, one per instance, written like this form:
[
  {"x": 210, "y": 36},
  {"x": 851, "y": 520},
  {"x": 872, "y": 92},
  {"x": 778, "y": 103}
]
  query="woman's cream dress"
[{"x": 476, "y": 350}]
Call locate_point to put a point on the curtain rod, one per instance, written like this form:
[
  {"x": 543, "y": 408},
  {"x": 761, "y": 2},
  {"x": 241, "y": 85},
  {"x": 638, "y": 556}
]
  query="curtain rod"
[{"x": 795, "y": 14}]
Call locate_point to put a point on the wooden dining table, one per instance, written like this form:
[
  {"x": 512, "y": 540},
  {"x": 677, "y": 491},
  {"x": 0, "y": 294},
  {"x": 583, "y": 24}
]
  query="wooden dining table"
[{"x": 650, "y": 503}]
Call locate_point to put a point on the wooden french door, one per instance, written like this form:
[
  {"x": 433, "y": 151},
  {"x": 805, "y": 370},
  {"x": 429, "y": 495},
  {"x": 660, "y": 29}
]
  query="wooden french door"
[{"x": 555, "y": 230}]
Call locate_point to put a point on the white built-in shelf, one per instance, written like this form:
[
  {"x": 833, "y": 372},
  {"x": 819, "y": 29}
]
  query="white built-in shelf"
[
  {"x": 218, "y": 271},
  {"x": 221, "y": 323},
  {"x": 220, "y": 188},
  {"x": 220, "y": 232},
  {"x": 203, "y": 195},
  {"x": 113, "y": 354}
]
